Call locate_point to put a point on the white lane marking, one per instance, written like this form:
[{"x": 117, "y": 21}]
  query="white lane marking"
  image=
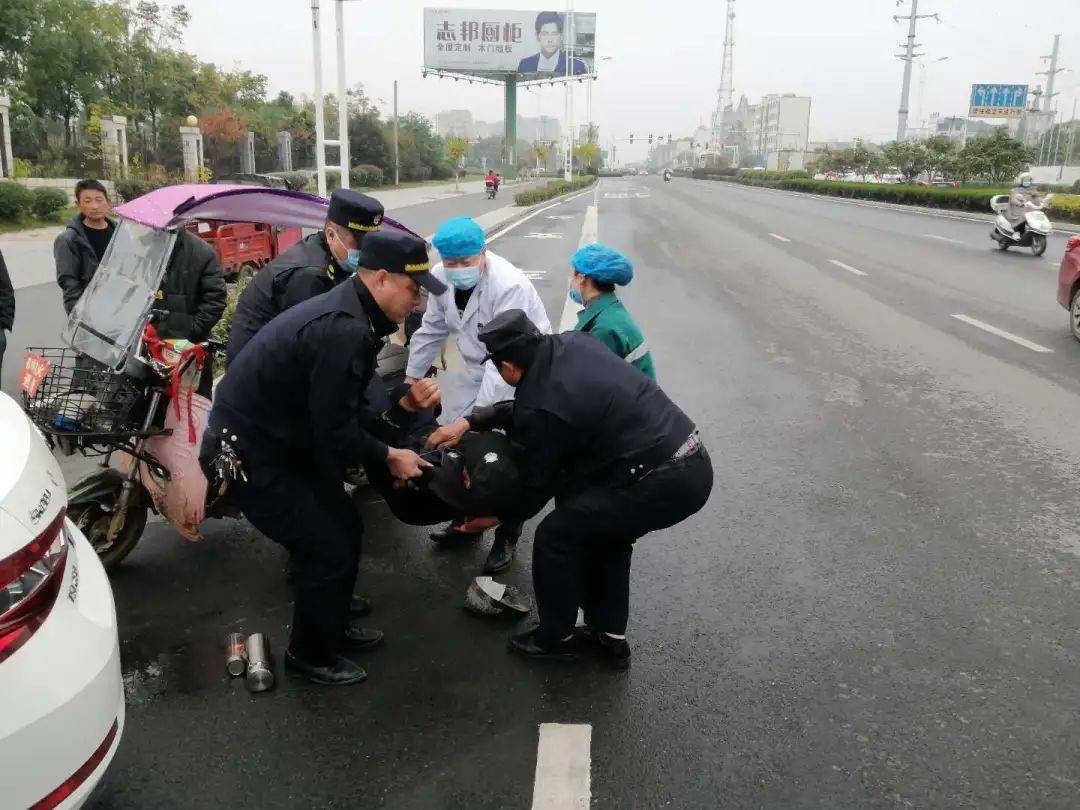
[
  {"x": 560, "y": 216},
  {"x": 847, "y": 267},
  {"x": 778, "y": 236},
  {"x": 590, "y": 230},
  {"x": 944, "y": 238},
  {"x": 542, "y": 235},
  {"x": 536, "y": 213},
  {"x": 993, "y": 330},
  {"x": 563, "y": 765}
]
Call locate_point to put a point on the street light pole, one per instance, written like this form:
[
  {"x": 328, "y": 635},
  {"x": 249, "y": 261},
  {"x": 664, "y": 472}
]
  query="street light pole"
[
  {"x": 397, "y": 161},
  {"x": 320, "y": 113},
  {"x": 342, "y": 141},
  {"x": 343, "y": 99},
  {"x": 568, "y": 50}
]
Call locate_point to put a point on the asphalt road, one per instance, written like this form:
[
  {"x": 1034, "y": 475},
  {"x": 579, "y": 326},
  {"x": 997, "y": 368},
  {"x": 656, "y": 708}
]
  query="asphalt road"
[{"x": 876, "y": 608}]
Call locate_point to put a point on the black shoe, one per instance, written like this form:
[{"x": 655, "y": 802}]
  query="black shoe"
[
  {"x": 359, "y": 606},
  {"x": 362, "y": 638},
  {"x": 614, "y": 651},
  {"x": 451, "y": 535},
  {"x": 341, "y": 672},
  {"x": 530, "y": 646},
  {"x": 501, "y": 555}
]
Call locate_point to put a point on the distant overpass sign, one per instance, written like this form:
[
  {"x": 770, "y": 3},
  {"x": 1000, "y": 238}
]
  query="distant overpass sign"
[{"x": 998, "y": 100}]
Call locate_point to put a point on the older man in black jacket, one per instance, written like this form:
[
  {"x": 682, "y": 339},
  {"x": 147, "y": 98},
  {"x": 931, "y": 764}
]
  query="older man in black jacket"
[{"x": 192, "y": 295}]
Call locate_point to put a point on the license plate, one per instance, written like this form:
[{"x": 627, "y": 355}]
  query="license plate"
[{"x": 35, "y": 367}]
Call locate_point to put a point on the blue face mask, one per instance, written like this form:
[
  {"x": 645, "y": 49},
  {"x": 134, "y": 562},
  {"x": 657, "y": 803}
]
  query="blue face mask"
[
  {"x": 464, "y": 278},
  {"x": 575, "y": 296},
  {"x": 352, "y": 262}
]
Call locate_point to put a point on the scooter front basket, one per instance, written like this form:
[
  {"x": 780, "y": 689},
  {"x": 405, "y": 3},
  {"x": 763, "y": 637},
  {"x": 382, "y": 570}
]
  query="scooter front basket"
[{"x": 66, "y": 393}]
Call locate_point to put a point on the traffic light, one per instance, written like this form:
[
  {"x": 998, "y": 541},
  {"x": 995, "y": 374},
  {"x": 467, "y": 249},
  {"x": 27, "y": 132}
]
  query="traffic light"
[
  {"x": 631, "y": 137},
  {"x": 669, "y": 138},
  {"x": 650, "y": 139}
]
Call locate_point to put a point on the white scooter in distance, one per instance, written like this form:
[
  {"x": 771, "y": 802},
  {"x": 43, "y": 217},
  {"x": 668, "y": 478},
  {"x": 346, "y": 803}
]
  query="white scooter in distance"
[{"x": 1033, "y": 235}]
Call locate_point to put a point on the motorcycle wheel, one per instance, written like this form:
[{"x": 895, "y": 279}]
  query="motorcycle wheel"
[
  {"x": 1038, "y": 244},
  {"x": 93, "y": 521},
  {"x": 1002, "y": 244}
]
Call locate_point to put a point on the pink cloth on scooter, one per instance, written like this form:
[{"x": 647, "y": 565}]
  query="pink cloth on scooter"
[{"x": 182, "y": 499}]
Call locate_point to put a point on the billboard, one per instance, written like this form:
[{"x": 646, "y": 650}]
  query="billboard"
[
  {"x": 531, "y": 44},
  {"x": 998, "y": 100}
]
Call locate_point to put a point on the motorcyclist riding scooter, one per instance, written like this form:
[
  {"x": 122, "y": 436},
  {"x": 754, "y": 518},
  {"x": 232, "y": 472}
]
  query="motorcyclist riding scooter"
[
  {"x": 1021, "y": 221},
  {"x": 491, "y": 184},
  {"x": 667, "y": 175}
]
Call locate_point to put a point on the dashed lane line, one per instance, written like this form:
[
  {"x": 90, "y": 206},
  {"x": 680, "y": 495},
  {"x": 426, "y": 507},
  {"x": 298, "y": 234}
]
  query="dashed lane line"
[
  {"x": 948, "y": 239},
  {"x": 993, "y": 330},
  {"x": 853, "y": 270},
  {"x": 563, "y": 767},
  {"x": 779, "y": 237}
]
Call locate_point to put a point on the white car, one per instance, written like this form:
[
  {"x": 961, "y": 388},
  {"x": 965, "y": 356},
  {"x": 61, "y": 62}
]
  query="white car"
[{"x": 61, "y": 692}]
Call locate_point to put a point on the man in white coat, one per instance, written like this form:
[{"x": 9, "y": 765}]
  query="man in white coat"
[{"x": 480, "y": 285}]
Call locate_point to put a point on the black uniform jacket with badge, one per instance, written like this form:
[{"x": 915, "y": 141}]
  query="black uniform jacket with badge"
[
  {"x": 303, "y": 271},
  {"x": 296, "y": 392},
  {"x": 583, "y": 416}
]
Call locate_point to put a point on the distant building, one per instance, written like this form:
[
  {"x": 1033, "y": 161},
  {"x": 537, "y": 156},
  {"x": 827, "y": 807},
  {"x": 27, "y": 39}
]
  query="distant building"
[
  {"x": 772, "y": 133},
  {"x": 455, "y": 124},
  {"x": 541, "y": 128},
  {"x": 785, "y": 130}
]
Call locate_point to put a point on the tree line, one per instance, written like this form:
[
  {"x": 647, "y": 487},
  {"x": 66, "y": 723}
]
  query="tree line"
[
  {"x": 994, "y": 158},
  {"x": 67, "y": 63}
]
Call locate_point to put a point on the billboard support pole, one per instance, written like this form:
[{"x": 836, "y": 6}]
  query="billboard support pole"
[{"x": 510, "y": 129}]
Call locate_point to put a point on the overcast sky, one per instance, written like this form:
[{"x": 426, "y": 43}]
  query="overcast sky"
[{"x": 665, "y": 57}]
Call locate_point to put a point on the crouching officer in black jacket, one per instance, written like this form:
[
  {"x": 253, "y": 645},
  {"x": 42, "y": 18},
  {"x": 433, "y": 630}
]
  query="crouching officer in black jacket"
[
  {"x": 309, "y": 268},
  {"x": 620, "y": 459},
  {"x": 290, "y": 408}
]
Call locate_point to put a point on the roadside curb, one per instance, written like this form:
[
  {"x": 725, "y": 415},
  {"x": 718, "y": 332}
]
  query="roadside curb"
[{"x": 1070, "y": 228}]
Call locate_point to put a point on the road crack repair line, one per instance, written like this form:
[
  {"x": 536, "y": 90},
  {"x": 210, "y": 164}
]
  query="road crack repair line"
[
  {"x": 563, "y": 767},
  {"x": 993, "y": 330}
]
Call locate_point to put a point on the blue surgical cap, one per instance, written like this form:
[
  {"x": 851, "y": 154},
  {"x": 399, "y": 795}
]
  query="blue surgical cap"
[
  {"x": 459, "y": 237},
  {"x": 603, "y": 264}
]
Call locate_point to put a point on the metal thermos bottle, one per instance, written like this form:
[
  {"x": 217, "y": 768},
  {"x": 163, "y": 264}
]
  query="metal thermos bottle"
[
  {"x": 260, "y": 669},
  {"x": 236, "y": 656}
]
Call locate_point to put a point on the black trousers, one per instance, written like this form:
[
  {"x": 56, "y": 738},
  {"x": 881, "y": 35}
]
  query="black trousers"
[
  {"x": 316, "y": 521},
  {"x": 583, "y": 548}
]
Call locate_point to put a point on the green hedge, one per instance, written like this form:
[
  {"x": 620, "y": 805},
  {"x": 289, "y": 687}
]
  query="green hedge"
[
  {"x": 554, "y": 188},
  {"x": 15, "y": 201},
  {"x": 366, "y": 174},
  {"x": 48, "y": 202},
  {"x": 1064, "y": 207}
]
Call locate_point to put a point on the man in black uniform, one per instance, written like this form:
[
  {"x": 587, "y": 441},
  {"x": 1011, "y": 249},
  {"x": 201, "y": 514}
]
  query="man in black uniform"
[
  {"x": 291, "y": 409},
  {"x": 309, "y": 268},
  {"x": 620, "y": 459}
]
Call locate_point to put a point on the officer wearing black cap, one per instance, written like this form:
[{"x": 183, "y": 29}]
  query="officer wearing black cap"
[
  {"x": 290, "y": 408},
  {"x": 309, "y": 268},
  {"x": 620, "y": 459}
]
